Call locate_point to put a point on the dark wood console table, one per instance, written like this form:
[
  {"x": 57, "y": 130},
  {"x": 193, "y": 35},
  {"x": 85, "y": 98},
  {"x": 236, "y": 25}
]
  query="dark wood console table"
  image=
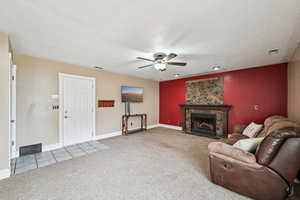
[{"x": 125, "y": 123}]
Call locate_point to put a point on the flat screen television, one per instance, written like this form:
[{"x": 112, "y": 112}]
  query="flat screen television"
[{"x": 132, "y": 94}]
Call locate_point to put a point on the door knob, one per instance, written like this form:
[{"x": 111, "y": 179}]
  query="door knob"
[{"x": 66, "y": 117}]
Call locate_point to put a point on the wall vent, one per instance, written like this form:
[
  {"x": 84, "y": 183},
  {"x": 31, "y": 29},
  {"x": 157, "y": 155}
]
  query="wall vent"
[
  {"x": 273, "y": 51},
  {"x": 96, "y": 67},
  {"x": 30, "y": 149}
]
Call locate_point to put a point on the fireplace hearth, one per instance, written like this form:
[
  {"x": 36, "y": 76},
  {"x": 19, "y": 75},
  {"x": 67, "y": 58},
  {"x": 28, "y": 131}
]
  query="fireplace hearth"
[{"x": 203, "y": 123}]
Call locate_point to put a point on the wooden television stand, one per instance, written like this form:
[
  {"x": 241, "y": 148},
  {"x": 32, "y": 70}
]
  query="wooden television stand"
[{"x": 125, "y": 123}]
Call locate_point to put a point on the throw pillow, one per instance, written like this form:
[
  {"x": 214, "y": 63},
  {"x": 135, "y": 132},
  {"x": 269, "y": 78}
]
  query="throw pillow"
[
  {"x": 249, "y": 144},
  {"x": 252, "y": 130}
]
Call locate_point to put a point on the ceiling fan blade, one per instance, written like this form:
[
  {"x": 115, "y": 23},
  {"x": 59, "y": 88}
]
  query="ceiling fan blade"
[
  {"x": 145, "y": 66},
  {"x": 171, "y": 56},
  {"x": 177, "y": 63},
  {"x": 145, "y": 59}
]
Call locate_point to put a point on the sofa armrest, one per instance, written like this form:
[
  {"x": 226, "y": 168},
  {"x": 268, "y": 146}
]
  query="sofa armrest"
[
  {"x": 239, "y": 128},
  {"x": 250, "y": 179},
  {"x": 226, "y": 150}
]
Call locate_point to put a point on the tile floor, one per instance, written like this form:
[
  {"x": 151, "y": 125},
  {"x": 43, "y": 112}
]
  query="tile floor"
[{"x": 29, "y": 162}]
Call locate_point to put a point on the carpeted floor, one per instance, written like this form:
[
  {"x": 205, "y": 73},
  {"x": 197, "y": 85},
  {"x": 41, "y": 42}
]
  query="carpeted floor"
[{"x": 161, "y": 164}]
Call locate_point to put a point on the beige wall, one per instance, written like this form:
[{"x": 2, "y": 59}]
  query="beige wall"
[
  {"x": 294, "y": 87},
  {"x": 37, "y": 80},
  {"x": 4, "y": 105}
]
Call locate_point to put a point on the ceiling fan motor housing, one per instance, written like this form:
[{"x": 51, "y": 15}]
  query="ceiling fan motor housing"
[{"x": 159, "y": 56}]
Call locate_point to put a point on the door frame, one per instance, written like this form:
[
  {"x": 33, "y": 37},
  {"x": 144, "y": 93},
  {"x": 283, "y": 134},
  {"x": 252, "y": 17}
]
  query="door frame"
[
  {"x": 61, "y": 77},
  {"x": 13, "y": 95},
  {"x": 12, "y": 107}
]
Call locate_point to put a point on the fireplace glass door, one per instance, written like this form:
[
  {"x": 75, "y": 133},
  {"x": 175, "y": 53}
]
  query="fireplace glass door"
[{"x": 203, "y": 123}]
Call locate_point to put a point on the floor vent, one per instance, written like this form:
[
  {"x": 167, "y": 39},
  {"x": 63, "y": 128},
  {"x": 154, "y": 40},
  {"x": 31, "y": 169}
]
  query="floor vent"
[{"x": 30, "y": 149}]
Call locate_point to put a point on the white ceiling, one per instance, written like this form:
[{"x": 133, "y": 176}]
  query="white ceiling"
[{"x": 111, "y": 34}]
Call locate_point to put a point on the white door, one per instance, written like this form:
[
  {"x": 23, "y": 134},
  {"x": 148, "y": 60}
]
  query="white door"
[{"x": 77, "y": 96}]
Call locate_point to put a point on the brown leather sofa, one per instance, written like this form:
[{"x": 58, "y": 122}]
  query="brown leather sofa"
[
  {"x": 271, "y": 124},
  {"x": 269, "y": 173}
]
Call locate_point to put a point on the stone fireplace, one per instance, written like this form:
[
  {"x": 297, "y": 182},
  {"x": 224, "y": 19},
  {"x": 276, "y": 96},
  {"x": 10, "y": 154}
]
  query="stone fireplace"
[
  {"x": 204, "y": 112},
  {"x": 206, "y": 120}
]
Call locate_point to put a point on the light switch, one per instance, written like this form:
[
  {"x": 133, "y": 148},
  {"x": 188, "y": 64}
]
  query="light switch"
[{"x": 55, "y": 107}]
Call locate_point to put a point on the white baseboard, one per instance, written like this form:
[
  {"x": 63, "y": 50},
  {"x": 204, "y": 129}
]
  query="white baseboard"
[
  {"x": 4, "y": 173},
  {"x": 107, "y": 135},
  {"x": 51, "y": 147},
  {"x": 118, "y": 133},
  {"x": 171, "y": 126},
  {"x": 153, "y": 126}
]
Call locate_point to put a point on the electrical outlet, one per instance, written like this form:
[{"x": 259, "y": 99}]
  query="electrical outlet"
[{"x": 256, "y": 107}]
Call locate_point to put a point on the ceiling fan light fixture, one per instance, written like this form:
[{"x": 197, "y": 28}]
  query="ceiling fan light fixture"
[
  {"x": 161, "y": 61},
  {"x": 161, "y": 66},
  {"x": 216, "y": 68}
]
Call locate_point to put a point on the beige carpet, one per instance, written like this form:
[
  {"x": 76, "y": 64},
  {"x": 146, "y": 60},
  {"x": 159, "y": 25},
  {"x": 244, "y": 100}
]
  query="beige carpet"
[{"x": 161, "y": 164}]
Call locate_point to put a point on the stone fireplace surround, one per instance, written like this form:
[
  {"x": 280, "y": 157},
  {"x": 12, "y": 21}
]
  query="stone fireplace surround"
[{"x": 221, "y": 112}]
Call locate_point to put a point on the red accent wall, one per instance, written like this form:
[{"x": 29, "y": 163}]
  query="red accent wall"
[{"x": 263, "y": 86}]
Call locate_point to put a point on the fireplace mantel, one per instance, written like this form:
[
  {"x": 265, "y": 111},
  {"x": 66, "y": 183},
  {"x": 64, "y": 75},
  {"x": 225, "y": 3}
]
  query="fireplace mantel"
[
  {"x": 186, "y": 109},
  {"x": 207, "y": 107}
]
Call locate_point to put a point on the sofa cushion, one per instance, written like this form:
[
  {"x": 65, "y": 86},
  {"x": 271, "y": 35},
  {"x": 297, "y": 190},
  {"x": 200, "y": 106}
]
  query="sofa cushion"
[
  {"x": 249, "y": 144},
  {"x": 252, "y": 130},
  {"x": 233, "y": 138},
  {"x": 232, "y": 152},
  {"x": 269, "y": 122},
  {"x": 282, "y": 124},
  {"x": 270, "y": 146}
]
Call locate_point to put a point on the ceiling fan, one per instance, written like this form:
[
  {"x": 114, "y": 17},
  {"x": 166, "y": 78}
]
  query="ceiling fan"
[{"x": 161, "y": 60}]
